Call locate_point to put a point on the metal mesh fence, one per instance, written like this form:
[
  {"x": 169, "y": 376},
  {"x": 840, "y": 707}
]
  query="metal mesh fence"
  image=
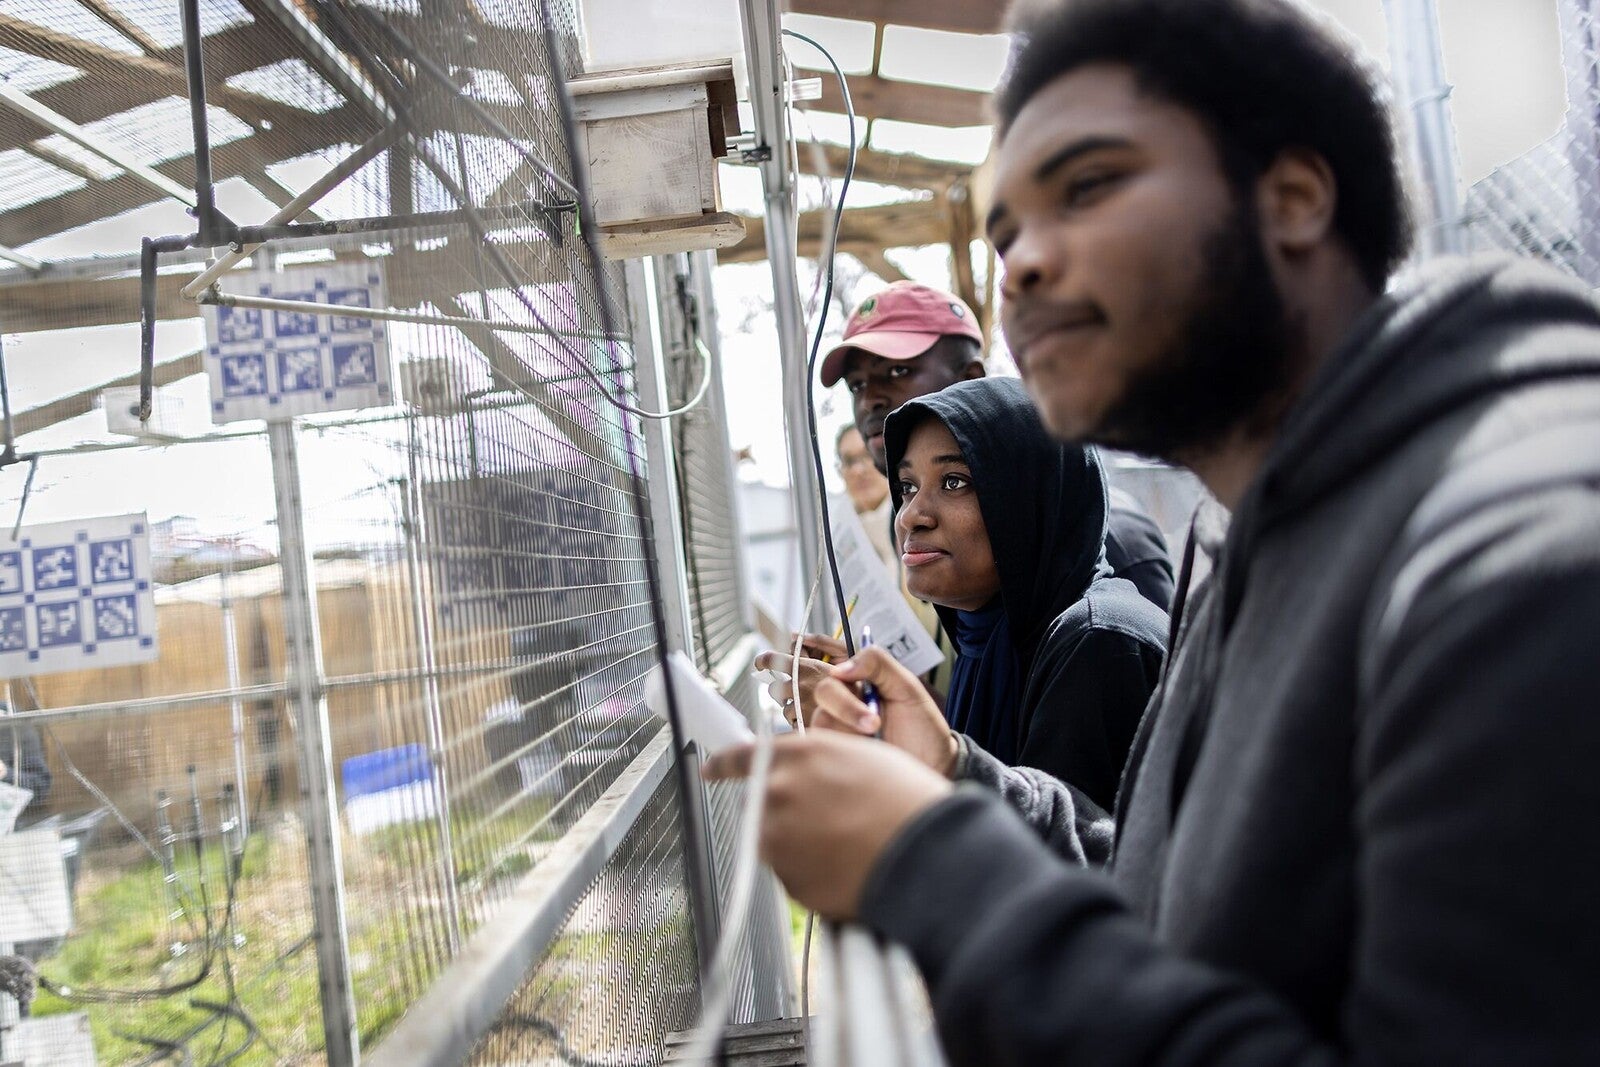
[
  {"x": 477, "y": 570},
  {"x": 1546, "y": 203},
  {"x": 704, "y": 469},
  {"x": 622, "y": 973}
]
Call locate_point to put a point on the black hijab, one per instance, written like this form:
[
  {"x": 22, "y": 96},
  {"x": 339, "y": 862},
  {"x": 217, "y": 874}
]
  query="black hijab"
[{"x": 1044, "y": 506}]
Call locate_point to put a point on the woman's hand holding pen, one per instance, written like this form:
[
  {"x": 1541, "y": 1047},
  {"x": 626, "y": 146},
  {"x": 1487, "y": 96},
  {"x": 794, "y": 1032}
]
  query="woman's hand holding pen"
[
  {"x": 816, "y": 652},
  {"x": 908, "y": 717}
]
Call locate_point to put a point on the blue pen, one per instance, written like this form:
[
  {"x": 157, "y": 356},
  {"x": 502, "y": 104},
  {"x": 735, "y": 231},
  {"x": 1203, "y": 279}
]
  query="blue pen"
[{"x": 869, "y": 692}]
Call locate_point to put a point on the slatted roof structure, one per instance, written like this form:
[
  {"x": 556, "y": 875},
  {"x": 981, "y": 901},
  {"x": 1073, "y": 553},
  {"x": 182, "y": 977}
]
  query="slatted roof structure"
[
  {"x": 919, "y": 73},
  {"x": 284, "y": 104}
]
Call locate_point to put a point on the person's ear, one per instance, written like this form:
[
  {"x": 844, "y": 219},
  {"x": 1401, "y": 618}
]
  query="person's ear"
[
  {"x": 1297, "y": 197},
  {"x": 973, "y": 370}
]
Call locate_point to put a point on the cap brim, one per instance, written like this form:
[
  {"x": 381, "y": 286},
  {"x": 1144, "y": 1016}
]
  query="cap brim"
[{"x": 890, "y": 344}]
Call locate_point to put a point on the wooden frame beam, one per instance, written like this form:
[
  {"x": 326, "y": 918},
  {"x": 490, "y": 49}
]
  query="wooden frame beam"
[
  {"x": 86, "y": 400},
  {"x": 885, "y": 168},
  {"x": 869, "y": 229},
  {"x": 879, "y": 264},
  {"x": 103, "y": 199},
  {"x": 122, "y": 24},
  {"x": 413, "y": 279},
  {"x": 955, "y": 16},
  {"x": 881, "y": 98},
  {"x": 136, "y": 79}
]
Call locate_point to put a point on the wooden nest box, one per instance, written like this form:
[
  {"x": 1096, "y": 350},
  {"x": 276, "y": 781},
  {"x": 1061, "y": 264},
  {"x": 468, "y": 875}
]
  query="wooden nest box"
[{"x": 652, "y": 138}]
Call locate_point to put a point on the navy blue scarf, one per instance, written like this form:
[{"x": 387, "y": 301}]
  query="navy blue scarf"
[{"x": 986, "y": 682}]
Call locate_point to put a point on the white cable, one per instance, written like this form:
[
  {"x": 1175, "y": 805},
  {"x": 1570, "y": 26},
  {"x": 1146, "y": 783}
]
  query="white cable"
[
  {"x": 692, "y": 402},
  {"x": 717, "y": 1001}
]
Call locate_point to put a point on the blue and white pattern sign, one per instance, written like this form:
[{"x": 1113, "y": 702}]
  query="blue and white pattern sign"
[
  {"x": 280, "y": 363},
  {"x": 76, "y": 595}
]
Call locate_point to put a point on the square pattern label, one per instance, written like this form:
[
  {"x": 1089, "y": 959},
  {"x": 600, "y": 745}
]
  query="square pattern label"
[
  {"x": 275, "y": 364},
  {"x": 76, "y": 595}
]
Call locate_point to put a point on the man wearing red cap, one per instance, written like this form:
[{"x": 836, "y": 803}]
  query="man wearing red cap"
[
  {"x": 903, "y": 343},
  {"x": 911, "y": 340}
]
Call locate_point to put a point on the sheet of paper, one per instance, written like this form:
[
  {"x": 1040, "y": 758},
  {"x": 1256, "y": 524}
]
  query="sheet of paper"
[
  {"x": 34, "y": 901},
  {"x": 708, "y": 720},
  {"x": 876, "y": 593},
  {"x": 12, "y": 801}
]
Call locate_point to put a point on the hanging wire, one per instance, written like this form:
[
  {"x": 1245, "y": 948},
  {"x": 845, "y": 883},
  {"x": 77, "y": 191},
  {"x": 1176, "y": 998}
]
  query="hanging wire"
[{"x": 830, "y": 260}]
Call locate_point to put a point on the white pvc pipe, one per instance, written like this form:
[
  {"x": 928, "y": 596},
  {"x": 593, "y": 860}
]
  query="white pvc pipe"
[
  {"x": 56, "y": 122},
  {"x": 1417, "y": 59}
]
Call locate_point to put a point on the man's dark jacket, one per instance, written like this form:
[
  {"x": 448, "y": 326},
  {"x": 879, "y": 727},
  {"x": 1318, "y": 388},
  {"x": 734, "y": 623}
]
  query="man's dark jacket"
[
  {"x": 1361, "y": 823},
  {"x": 1137, "y": 551}
]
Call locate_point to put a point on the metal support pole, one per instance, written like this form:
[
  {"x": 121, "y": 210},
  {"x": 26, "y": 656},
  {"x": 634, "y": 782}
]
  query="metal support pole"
[
  {"x": 702, "y": 265},
  {"x": 1580, "y": 54},
  {"x": 319, "y": 803},
  {"x": 667, "y": 528},
  {"x": 433, "y": 711},
  {"x": 1417, "y": 60},
  {"x": 666, "y": 509},
  {"x": 205, "y": 193},
  {"x": 763, "y": 51},
  {"x": 230, "y": 655}
]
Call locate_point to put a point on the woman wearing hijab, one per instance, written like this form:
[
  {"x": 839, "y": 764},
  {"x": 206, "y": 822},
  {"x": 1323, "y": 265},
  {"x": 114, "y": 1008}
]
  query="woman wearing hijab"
[{"x": 1003, "y": 529}]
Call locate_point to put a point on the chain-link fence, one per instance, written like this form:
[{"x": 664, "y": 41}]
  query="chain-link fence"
[
  {"x": 395, "y": 740},
  {"x": 1546, "y": 203}
]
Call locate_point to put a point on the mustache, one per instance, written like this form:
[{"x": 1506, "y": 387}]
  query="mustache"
[{"x": 1029, "y": 319}]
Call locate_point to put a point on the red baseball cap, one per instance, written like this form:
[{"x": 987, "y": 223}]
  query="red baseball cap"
[{"x": 902, "y": 322}]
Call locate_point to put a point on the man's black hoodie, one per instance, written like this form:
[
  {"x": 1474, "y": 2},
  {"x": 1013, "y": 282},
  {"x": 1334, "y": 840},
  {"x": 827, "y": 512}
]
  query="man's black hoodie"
[{"x": 1359, "y": 824}]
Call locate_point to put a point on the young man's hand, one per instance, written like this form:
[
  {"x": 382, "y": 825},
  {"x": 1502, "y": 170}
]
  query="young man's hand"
[
  {"x": 833, "y": 805},
  {"x": 910, "y": 720}
]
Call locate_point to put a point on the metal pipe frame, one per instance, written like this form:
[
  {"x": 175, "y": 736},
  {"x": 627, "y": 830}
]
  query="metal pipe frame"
[
  {"x": 298, "y": 206},
  {"x": 150, "y": 705},
  {"x": 303, "y": 651},
  {"x": 21, "y": 259},
  {"x": 524, "y": 210},
  {"x": 422, "y": 622},
  {"x": 419, "y": 318},
  {"x": 764, "y": 56},
  {"x": 702, "y": 267},
  {"x": 666, "y": 524},
  {"x": 213, "y": 225},
  {"x": 150, "y": 250},
  {"x": 56, "y": 122},
  {"x": 1417, "y": 59}
]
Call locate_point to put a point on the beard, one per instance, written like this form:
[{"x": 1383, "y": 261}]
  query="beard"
[{"x": 1228, "y": 368}]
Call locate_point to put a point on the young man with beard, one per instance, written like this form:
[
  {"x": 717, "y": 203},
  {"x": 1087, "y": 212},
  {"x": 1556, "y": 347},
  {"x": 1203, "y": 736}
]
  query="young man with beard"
[{"x": 1357, "y": 826}]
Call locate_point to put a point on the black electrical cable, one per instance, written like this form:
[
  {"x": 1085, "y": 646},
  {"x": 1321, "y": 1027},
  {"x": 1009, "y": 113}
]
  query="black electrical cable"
[{"x": 816, "y": 342}]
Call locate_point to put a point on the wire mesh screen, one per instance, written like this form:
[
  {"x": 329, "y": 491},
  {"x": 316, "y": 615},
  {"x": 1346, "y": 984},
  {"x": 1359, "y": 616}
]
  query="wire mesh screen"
[
  {"x": 1547, "y": 202},
  {"x": 478, "y": 570},
  {"x": 704, "y": 466},
  {"x": 760, "y": 980},
  {"x": 622, "y": 973}
]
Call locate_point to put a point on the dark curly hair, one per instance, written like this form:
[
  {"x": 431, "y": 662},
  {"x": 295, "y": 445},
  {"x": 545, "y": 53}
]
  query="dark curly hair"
[{"x": 1260, "y": 74}]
